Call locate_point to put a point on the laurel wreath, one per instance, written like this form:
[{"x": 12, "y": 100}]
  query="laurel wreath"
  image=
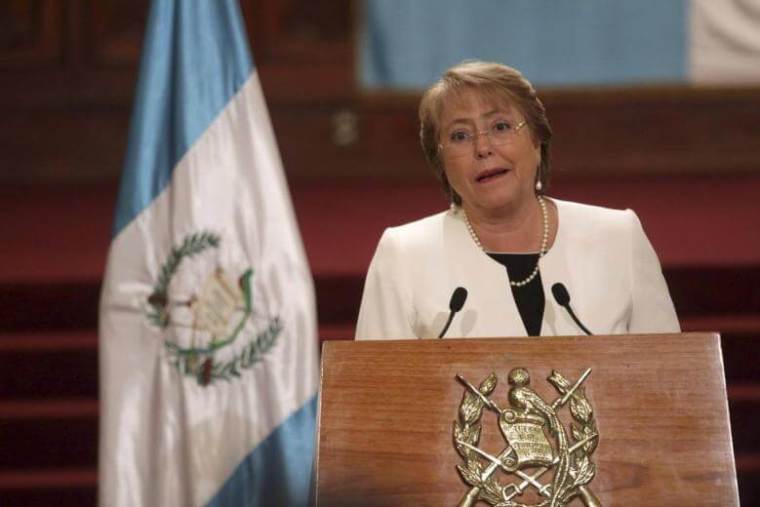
[
  {"x": 202, "y": 366},
  {"x": 582, "y": 469},
  {"x": 158, "y": 301},
  {"x": 467, "y": 429}
]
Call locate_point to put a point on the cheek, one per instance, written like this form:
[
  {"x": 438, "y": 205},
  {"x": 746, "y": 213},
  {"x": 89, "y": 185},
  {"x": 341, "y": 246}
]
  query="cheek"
[
  {"x": 454, "y": 170},
  {"x": 531, "y": 158}
]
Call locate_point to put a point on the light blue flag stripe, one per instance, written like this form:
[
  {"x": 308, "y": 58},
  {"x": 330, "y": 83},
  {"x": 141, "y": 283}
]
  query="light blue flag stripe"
[
  {"x": 195, "y": 58},
  {"x": 279, "y": 470},
  {"x": 407, "y": 44}
]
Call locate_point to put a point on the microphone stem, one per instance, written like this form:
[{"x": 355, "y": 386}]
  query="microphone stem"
[
  {"x": 580, "y": 324},
  {"x": 448, "y": 323}
]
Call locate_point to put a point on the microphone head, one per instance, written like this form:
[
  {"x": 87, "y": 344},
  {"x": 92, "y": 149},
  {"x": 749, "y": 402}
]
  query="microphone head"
[
  {"x": 457, "y": 299},
  {"x": 561, "y": 296}
]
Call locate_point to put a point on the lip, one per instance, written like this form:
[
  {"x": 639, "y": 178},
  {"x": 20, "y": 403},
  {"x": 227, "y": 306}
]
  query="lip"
[{"x": 490, "y": 174}]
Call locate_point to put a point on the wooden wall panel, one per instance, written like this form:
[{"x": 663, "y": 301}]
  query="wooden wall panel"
[
  {"x": 30, "y": 34},
  {"x": 115, "y": 31},
  {"x": 678, "y": 130},
  {"x": 599, "y": 133},
  {"x": 72, "y": 147},
  {"x": 303, "y": 50},
  {"x": 295, "y": 30},
  {"x": 68, "y": 70}
]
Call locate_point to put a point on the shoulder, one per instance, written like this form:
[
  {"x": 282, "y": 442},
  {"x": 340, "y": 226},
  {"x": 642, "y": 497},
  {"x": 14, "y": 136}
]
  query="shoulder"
[
  {"x": 423, "y": 225},
  {"x": 590, "y": 213},
  {"x": 421, "y": 232},
  {"x": 404, "y": 244},
  {"x": 588, "y": 219}
]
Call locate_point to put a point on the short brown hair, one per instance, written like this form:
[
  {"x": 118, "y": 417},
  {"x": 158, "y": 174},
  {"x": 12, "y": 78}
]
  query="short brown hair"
[{"x": 496, "y": 81}]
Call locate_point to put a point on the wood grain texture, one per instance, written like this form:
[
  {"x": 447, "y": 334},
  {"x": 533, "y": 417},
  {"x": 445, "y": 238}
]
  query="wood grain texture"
[{"x": 387, "y": 408}]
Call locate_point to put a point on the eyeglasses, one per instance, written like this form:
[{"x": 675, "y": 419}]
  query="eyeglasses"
[{"x": 461, "y": 141}]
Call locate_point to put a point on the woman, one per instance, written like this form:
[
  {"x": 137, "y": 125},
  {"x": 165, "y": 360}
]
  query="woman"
[{"x": 486, "y": 135}]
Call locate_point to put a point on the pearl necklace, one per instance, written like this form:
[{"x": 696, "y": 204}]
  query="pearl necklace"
[{"x": 541, "y": 253}]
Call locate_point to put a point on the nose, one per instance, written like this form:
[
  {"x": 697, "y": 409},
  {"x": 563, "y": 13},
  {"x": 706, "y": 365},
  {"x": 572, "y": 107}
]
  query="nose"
[{"x": 482, "y": 145}]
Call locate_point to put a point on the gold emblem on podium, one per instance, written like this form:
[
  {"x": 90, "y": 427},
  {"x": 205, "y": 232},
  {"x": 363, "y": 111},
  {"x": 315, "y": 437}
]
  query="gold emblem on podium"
[{"x": 537, "y": 443}]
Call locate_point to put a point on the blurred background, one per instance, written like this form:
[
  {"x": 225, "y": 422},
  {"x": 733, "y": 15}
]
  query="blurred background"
[{"x": 655, "y": 106}]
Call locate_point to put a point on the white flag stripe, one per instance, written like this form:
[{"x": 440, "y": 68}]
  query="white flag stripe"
[{"x": 724, "y": 42}]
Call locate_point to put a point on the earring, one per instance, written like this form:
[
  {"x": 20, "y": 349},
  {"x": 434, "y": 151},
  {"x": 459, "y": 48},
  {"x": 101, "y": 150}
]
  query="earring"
[{"x": 539, "y": 186}]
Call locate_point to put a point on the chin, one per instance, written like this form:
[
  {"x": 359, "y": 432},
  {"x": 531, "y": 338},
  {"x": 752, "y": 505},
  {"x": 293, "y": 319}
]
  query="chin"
[{"x": 499, "y": 198}]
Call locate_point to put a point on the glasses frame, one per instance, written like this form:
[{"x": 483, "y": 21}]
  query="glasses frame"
[{"x": 488, "y": 132}]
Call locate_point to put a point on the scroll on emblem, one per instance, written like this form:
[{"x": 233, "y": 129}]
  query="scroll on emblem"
[{"x": 537, "y": 443}]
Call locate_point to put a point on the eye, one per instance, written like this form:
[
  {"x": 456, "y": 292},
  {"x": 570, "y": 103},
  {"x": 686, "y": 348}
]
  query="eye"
[
  {"x": 501, "y": 126},
  {"x": 459, "y": 136}
]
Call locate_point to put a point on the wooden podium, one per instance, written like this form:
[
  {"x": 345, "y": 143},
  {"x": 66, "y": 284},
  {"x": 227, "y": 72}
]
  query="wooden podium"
[{"x": 387, "y": 409}]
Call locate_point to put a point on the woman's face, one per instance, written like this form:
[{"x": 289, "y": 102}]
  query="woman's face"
[{"x": 487, "y": 176}]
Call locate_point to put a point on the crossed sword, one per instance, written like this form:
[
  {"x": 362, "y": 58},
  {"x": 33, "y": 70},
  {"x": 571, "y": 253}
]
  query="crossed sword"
[{"x": 497, "y": 462}]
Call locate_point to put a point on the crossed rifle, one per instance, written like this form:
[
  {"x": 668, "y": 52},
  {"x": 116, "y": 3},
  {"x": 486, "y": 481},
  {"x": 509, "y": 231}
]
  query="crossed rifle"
[{"x": 497, "y": 462}]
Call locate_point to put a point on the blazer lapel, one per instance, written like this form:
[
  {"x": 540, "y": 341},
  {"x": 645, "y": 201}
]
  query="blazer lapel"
[
  {"x": 555, "y": 269},
  {"x": 490, "y": 310}
]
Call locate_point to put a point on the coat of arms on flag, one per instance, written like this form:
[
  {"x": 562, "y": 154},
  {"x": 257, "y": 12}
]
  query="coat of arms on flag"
[{"x": 219, "y": 332}]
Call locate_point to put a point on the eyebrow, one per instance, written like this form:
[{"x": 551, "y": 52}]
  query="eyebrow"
[{"x": 489, "y": 114}]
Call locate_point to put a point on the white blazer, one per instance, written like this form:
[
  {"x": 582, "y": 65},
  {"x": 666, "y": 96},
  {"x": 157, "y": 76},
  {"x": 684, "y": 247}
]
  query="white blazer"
[{"x": 602, "y": 256}]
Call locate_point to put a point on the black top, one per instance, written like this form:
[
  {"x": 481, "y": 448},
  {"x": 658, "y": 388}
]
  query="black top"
[{"x": 530, "y": 297}]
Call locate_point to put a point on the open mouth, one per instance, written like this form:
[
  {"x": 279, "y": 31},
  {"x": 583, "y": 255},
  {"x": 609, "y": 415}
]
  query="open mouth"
[{"x": 490, "y": 175}]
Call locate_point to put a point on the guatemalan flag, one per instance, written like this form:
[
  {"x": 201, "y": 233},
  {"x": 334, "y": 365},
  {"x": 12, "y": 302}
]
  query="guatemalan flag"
[
  {"x": 563, "y": 43},
  {"x": 208, "y": 349}
]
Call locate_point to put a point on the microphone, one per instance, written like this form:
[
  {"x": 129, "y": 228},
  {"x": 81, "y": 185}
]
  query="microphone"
[
  {"x": 562, "y": 297},
  {"x": 458, "y": 297}
]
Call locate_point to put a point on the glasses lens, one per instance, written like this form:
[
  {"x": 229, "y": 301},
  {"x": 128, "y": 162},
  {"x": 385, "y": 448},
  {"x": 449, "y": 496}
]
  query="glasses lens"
[
  {"x": 500, "y": 132},
  {"x": 462, "y": 143}
]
